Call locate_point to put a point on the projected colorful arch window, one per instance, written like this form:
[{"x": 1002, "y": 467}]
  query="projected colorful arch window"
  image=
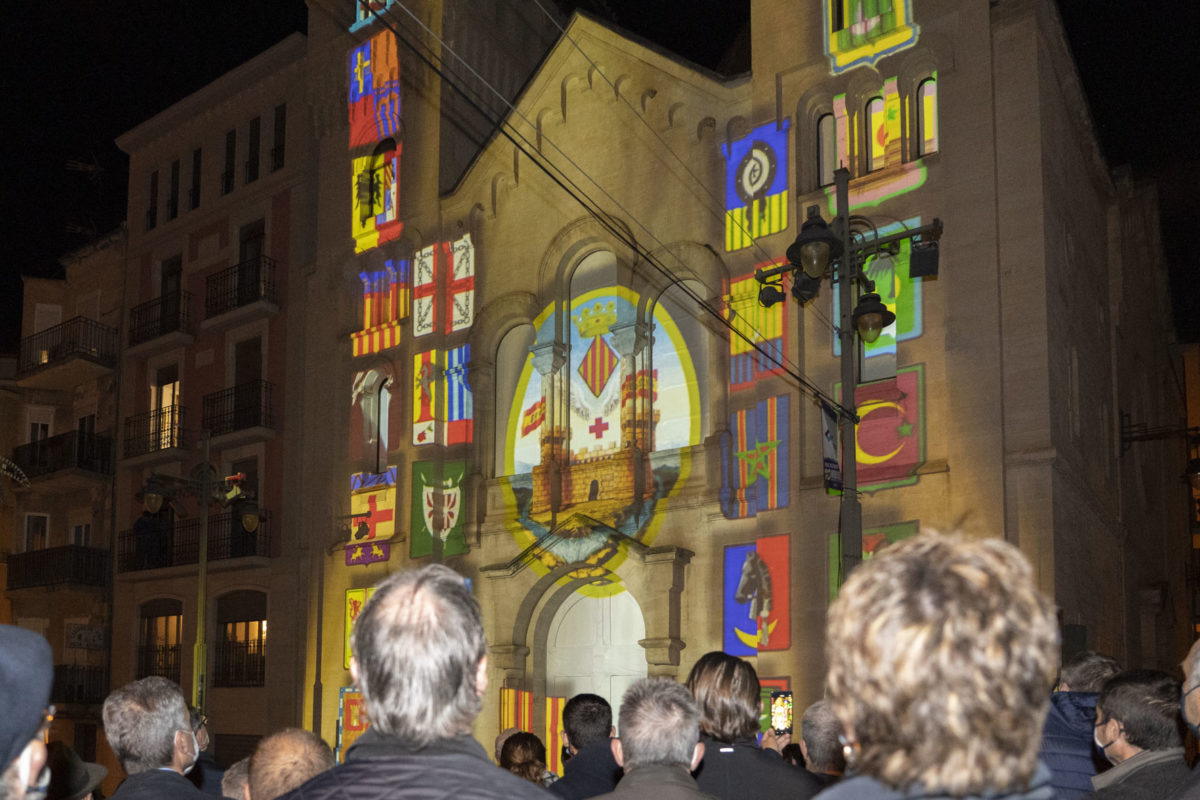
[
  {"x": 597, "y": 429},
  {"x": 385, "y": 303},
  {"x": 860, "y": 32},
  {"x": 872, "y": 140},
  {"x": 927, "y": 119}
]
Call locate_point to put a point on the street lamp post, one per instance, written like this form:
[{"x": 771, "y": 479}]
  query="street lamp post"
[
  {"x": 841, "y": 255},
  {"x": 159, "y": 489}
]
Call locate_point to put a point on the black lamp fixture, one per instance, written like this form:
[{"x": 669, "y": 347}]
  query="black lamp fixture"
[
  {"x": 871, "y": 316},
  {"x": 815, "y": 247},
  {"x": 804, "y": 287},
  {"x": 771, "y": 293}
]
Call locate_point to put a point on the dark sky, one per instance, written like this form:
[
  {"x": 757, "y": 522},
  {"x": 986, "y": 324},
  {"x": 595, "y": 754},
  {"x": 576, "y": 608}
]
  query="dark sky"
[{"x": 86, "y": 71}]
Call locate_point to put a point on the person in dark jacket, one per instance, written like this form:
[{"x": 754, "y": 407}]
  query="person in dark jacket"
[
  {"x": 1189, "y": 706},
  {"x": 420, "y": 659},
  {"x": 940, "y": 649},
  {"x": 587, "y": 729},
  {"x": 1137, "y": 729},
  {"x": 26, "y": 674},
  {"x": 146, "y": 723},
  {"x": 658, "y": 746},
  {"x": 1067, "y": 747},
  {"x": 734, "y": 766},
  {"x": 819, "y": 732},
  {"x": 206, "y": 775}
]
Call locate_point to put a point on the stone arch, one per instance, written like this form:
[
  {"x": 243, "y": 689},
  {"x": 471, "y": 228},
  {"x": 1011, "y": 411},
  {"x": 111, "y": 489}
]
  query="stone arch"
[
  {"x": 812, "y": 105},
  {"x": 569, "y": 247},
  {"x": 568, "y": 83},
  {"x": 655, "y": 577}
]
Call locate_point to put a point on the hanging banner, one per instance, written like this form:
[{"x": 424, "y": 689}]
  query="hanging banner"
[{"x": 833, "y": 465}]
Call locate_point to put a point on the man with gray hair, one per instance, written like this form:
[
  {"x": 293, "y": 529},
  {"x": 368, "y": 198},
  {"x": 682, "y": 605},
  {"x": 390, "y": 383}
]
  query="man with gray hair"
[
  {"x": 420, "y": 660},
  {"x": 659, "y": 743},
  {"x": 147, "y": 726},
  {"x": 285, "y": 760},
  {"x": 819, "y": 732}
]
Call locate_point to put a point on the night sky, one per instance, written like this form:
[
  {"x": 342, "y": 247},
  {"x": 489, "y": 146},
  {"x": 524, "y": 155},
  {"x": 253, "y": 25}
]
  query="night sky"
[{"x": 80, "y": 74}]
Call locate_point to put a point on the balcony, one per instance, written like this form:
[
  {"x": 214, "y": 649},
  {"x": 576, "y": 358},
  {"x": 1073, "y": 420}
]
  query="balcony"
[
  {"x": 240, "y": 664},
  {"x": 151, "y": 545},
  {"x": 66, "y": 462},
  {"x": 79, "y": 684},
  {"x": 160, "y": 324},
  {"x": 58, "y": 566},
  {"x": 155, "y": 437},
  {"x": 240, "y": 414},
  {"x": 67, "y": 355},
  {"x": 240, "y": 294}
]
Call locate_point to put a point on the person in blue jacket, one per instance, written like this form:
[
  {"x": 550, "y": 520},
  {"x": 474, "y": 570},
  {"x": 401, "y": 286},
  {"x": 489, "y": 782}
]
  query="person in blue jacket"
[{"x": 1067, "y": 746}]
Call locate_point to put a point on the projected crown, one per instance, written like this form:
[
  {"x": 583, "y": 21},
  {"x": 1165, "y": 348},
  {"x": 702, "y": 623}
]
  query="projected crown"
[{"x": 597, "y": 320}]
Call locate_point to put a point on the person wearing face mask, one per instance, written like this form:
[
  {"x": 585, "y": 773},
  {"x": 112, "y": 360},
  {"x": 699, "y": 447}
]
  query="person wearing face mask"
[
  {"x": 1189, "y": 706},
  {"x": 26, "y": 672},
  {"x": 1137, "y": 730},
  {"x": 147, "y": 725}
]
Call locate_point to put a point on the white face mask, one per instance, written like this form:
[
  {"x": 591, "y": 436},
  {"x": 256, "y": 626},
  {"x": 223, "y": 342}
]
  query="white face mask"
[
  {"x": 1103, "y": 748},
  {"x": 195, "y": 752}
]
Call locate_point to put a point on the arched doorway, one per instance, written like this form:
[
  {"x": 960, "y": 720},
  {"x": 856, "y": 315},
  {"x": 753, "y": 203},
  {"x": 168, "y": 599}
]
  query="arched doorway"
[{"x": 592, "y": 646}]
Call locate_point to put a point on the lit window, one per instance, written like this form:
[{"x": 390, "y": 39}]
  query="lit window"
[
  {"x": 876, "y": 134},
  {"x": 241, "y": 639},
  {"x": 927, "y": 122},
  {"x": 160, "y": 639}
]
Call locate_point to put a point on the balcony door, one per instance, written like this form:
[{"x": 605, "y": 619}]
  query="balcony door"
[
  {"x": 164, "y": 402},
  {"x": 247, "y": 382},
  {"x": 251, "y": 249},
  {"x": 170, "y": 288}
]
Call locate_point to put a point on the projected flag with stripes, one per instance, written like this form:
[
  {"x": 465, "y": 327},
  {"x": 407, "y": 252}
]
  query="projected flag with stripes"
[
  {"x": 427, "y": 387},
  {"x": 756, "y": 182},
  {"x": 754, "y": 325},
  {"x": 374, "y": 96},
  {"x": 459, "y": 398},
  {"x": 754, "y": 460},
  {"x": 516, "y": 709}
]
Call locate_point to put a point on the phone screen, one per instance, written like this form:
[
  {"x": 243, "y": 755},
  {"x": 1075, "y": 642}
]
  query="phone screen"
[{"x": 781, "y": 712}]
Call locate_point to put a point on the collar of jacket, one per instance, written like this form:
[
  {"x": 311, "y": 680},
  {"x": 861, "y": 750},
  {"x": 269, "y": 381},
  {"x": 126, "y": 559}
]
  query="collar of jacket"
[
  {"x": 1146, "y": 758},
  {"x": 374, "y": 745}
]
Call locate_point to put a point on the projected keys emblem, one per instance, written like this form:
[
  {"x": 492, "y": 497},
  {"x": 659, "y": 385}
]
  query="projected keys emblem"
[{"x": 756, "y": 172}]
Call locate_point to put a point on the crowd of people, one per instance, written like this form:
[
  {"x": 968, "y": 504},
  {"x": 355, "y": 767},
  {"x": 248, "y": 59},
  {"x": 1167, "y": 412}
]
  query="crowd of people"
[{"x": 941, "y": 655}]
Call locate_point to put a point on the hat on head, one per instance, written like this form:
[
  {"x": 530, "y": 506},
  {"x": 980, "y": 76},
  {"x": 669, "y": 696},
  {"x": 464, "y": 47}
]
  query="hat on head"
[
  {"x": 26, "y": 672},
  {"x": 71, "y": 778}
]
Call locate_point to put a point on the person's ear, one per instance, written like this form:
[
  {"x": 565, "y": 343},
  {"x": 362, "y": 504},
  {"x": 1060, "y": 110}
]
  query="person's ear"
[
  {"x": 566, "y": 741},
  {"x": 481, "y": 679},
  {"x": 354, "y": 672},
  {"x": 246, "y": 791},
  {"x": 618, "y": 753},
  {"x": 697, "y": 756}
]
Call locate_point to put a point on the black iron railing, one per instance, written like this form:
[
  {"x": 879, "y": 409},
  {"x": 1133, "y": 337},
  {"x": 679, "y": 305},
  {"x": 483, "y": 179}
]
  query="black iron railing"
[
  {"x": 72, "y": 450},
  {"x": 79, "y": 337},
  {"x": 152, "y": 545},
  {"x": 161, "y": 659},
  {"x": 156, "y": 430},
  {"x": 78, "y": 684},
  {"x": 55, "y": 566},
  {"x": 242, "y": 284},
  {"x": 165, "y": 314},
  {"x": 246, "y": 405},
  {"x": 240, "y": 663}
]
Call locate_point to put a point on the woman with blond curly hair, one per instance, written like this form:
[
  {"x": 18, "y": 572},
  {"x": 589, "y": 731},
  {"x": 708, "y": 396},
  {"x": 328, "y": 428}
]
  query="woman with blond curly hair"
[{"x": 941, "y": 653}]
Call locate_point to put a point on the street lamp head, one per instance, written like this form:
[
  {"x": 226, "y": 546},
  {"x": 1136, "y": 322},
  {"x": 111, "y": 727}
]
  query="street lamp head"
[
  {"x": 871, "y": 316},
  {"x": 152, "y": 501},
  {"x": 770, "y": 294},
  {"x": 804, "y": 288},
  {"x": 815, "y": 247}
]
